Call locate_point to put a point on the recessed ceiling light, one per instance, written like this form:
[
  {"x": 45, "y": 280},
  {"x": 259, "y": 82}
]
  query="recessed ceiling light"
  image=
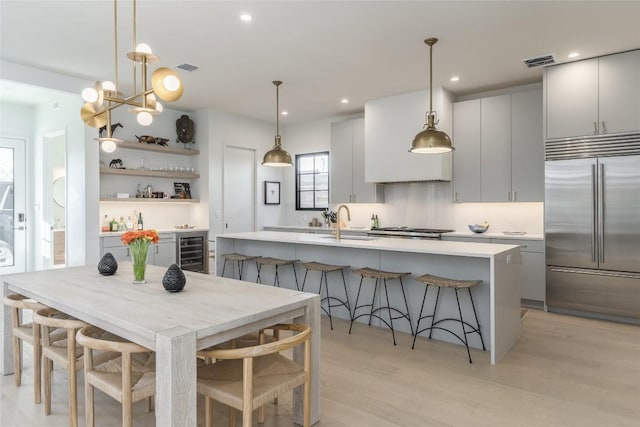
[
  {"x": 285, "y": 113},
  {"x": 344, "y": 100},
  {"x": 574, "y": 54},
  {"x": 455, "y": 78},
  {"x": 245, "y": 17}
]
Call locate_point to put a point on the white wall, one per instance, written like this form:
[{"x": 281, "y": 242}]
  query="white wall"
[{"x": 227, "y": 129}]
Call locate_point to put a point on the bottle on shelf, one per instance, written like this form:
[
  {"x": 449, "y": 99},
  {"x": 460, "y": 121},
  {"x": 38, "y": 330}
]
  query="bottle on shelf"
[
  {"x": 114, "y": 224},
  {"x": 135, "y": 219},
  {"x": 106, "y": 224},
  {"x": 122, "y": 226},
  {"x": 140, "y": 224},
  {"x": 377, "y": 222},
  {"x": 129, "y": 223},
  {"x": 373, "y": 221}
]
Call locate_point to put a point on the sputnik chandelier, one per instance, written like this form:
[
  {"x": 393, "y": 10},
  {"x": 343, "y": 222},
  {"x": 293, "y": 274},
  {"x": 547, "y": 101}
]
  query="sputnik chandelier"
[{"x": 104, "y": 96}]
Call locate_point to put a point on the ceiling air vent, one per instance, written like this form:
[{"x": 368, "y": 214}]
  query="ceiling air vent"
[
  {"x": 187, "y": 67},
  {"x": 539, "y": 61}
]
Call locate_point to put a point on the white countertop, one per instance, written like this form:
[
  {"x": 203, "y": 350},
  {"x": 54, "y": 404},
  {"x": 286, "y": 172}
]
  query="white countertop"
[
  {"x": 495, "y": 235},
  {"x": 160, "y": 231},
  {"x": 437, "y": 247}
]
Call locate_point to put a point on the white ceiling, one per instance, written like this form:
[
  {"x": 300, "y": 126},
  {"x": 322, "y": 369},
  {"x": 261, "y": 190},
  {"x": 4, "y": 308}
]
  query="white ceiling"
[{"x": 322, "y": 50}]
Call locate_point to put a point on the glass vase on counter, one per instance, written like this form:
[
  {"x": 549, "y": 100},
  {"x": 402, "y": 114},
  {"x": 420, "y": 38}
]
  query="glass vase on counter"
[{"x": 138, "y": 242}]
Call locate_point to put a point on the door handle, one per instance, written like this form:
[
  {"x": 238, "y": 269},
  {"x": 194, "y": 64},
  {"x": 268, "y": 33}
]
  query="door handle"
[
  {"x": 595, "y": 128},
  {"x": 594, "y": 217},
  {"x": 603, "y": 129},
  {"x": 601, "y": 213}
]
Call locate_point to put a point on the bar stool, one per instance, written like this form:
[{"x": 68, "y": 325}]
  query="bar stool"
[
  {"x": 239, "y": 259},
  {"x": 24, "y": 333},
  {"x": 277, "y": 262},
  {"x": 442, "y": 282},
  {"x": 324, "y": 269},
  {"x": 378, "y": 275}
]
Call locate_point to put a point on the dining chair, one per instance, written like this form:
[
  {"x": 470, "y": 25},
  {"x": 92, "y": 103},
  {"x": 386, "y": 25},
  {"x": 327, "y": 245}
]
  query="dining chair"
[
  {"x": 128, "y": 376},
  {"x": 24, "y": 333},
  {"x": 64, "y": 352},
  {"x": 248, "y": 377}
]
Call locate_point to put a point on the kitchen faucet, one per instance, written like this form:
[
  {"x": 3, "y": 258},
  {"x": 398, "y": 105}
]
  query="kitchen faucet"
[{"x": 348, "y": 219}]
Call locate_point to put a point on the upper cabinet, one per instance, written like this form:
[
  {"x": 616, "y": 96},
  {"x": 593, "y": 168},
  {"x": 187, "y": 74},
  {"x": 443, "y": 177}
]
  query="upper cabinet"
[
  {"x": 499, "y": 148},
  {"x": 347, "y": 165},
  {"x": 391, "y": 124},
  {"x": 594, "y": 96}
]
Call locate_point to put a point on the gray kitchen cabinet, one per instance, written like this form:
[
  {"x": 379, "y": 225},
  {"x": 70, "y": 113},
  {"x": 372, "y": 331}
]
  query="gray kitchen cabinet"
[
  {"x": 347, "y": 165},
  {"x": 499, "y": 154},
  {"x": 495, "y": 143},
  {"x": 466, "y": 140},
  {"x": 532, "y": 266},
  {"x": 594, "y": 96},
  {"x": 527, "y": 147},
  {"x": 163, "y": 253}
]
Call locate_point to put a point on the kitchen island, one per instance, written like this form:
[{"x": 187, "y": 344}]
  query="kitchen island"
[{"x": 498, "y": 266}]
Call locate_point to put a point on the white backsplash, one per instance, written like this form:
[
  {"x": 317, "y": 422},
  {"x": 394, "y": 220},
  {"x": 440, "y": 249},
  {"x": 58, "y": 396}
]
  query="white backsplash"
[{"x": 429, "y": 205}]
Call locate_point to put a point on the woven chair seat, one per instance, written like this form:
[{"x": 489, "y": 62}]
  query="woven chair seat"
[
  {"x": 378, "y": 274},
  {"x": 318, "y": 266},
  {"x": 444, "y": 282},
  {"x": 275, "y": 261},
  {"x": 238, "y": 257}
]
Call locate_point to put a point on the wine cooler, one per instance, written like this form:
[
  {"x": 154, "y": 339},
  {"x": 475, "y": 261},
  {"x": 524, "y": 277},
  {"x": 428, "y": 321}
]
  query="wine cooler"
[{"x": 192, "y": 251}]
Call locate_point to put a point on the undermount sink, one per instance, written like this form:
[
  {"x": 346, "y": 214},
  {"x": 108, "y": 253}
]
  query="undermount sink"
[{"x": 366, "y": 238}]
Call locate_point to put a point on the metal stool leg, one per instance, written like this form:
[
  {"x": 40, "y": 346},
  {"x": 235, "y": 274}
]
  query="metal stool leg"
[
  {"x": 355, "y": 307},
  {"x": 258, "y": 268},
  {"x": 240, "y": 269},
  {"x": 393, "y": 334},
  {"x": 224, "y": 266},
  {"x": 373, "y": 300},
  {"x": 346, "y": 292},
  {"x": 464, "y": 332},
  {"x": 295, "y": 275},
  {"x": 326, "y": 289},
  {"x": 424, "y": 298},
  {"x": 304, "y": 280},
  {"x": 433, "y": 316},
  {"x": 476, "y": 316},
  {"x": 276, "y": 279},
  {"x": 406, "y": 304}
]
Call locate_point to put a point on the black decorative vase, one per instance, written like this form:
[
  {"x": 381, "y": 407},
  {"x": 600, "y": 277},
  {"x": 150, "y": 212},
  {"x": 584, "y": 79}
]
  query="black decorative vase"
[
  {"x": 174, "y": 279},
  {"x": 108, "y": 265}
]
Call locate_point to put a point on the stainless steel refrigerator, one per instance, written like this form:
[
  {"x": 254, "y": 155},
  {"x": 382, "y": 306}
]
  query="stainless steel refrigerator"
[{"x": 592, "y": 230}]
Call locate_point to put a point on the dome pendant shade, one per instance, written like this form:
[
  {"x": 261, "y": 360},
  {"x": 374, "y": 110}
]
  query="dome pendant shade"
[
  {"x": 277, "y": 157},
  {"x": 431, "y": 140}
]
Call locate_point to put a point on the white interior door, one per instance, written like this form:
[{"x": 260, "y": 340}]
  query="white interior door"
[
  {"x": 239, "y": 203},
  {"x": 13, "y": 235}
]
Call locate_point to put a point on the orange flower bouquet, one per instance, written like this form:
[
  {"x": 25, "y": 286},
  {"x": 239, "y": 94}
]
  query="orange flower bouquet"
[{"x": 138, "y": 242}]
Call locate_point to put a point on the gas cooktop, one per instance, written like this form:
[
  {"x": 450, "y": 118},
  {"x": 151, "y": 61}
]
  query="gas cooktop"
[{"x": 409, "y": 232}]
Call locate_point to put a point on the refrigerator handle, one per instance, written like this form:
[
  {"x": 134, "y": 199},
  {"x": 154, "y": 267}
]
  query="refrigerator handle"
[
  {"x": 601, "y": 214},
  {"x": 594, "y": 217}
]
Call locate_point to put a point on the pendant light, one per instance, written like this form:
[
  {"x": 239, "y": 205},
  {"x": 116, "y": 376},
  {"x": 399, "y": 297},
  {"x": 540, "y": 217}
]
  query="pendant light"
[
  {"x": 277, "y": 157},
  {"x": 431, "y": 140},
  {"x": 104, "y": 96}
]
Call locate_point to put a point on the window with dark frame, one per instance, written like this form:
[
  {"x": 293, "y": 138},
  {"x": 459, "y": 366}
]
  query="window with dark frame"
[{"x": 312, "y": 181}]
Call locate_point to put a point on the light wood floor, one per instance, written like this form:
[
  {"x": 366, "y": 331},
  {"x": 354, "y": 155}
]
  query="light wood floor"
[{"x": 564, "y": 371}]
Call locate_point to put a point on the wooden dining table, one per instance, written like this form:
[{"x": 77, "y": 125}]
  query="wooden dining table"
[{"x": 210, "y": 310}]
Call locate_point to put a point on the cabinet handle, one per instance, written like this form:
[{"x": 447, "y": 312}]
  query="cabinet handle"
[
  {"x": 604, "y": 128},
  {"x": 455, "y": 197},
  {"x": 128, "y": 254},
  {"x": 156, "y": 248},
  {"x": 514, "y": 196},
  {"x": 508, "y": 196},
  {"x": 595, "y": 128}
]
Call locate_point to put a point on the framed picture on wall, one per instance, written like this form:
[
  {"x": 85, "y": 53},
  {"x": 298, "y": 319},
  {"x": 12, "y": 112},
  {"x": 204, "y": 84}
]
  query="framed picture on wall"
[{"x": 271, "y": 193}]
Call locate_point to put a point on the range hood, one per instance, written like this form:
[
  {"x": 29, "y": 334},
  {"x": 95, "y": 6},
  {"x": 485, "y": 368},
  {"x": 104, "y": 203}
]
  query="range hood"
[{"x": 390, "y": 126}]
